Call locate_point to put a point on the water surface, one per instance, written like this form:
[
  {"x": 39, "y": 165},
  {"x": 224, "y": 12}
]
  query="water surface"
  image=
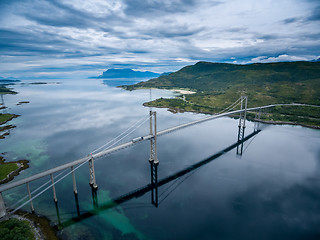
[{"x": 272, "y": 191}]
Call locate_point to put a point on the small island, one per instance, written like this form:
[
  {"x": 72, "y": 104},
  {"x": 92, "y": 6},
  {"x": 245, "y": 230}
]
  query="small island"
[
  {"x": 10, "y": 169},
  {"x": 217, "y": 85}
]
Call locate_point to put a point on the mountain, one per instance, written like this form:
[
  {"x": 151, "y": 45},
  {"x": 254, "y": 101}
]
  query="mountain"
[
  {"x": 127, "y": 73},
  {"x": 9, "y": 80},
  {"x": 262, "y": 82},
  {"x": 316, "y": 60},
  {"x": 217, "y": 85}
]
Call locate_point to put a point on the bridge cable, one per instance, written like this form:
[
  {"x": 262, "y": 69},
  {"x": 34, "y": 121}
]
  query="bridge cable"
[
  {"x": 106, "y": 144},
  {"x": 126, "y": 134},
  {"x": 37, "y": 195},
  {"x": 144, "y": 120},
  {"x": 236, "y": 103},
  {"x": 26, "y": 196}
]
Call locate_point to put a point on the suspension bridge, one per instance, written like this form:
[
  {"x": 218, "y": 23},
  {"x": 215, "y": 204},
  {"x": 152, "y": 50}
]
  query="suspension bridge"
[{"x": 114, "y": 145}]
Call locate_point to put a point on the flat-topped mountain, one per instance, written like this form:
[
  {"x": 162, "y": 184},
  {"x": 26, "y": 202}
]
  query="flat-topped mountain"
[{"x": 127, "y": 73}]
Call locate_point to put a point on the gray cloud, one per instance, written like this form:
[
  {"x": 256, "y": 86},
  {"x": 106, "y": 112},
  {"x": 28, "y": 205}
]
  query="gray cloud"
[
  {"x": 291, "y": 20},
  {"x": 46, "y": 35},
  {"x": 141, "y": 7},
  {"x": 315, "y": 15}
]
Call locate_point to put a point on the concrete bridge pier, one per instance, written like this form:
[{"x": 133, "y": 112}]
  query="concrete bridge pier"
[
  {"x": 153, "y": 160},
  {"x": 58, "y": 213},
  {"x": 77, "y": 204},
  {"x": 95, "y": 198},
  {"x": 242, "y": 123},
  {"x": 154, "y": 183},
  {"x": 257, "y": 120},
  {"x": 74, "y": 181},
  {"x": 92, "y": 182},
  {"x": 55, "y": 199},
  {"x": 30, "y": 200},
  {"x": 153, "y": 139}
]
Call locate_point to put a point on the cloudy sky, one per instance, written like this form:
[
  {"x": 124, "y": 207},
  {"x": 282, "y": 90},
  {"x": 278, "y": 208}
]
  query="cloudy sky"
[{"x": 49, "y": 38}]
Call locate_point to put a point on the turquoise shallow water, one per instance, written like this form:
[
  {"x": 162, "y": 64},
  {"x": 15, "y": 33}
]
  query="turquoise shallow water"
[{"x": 271, "y": 191}]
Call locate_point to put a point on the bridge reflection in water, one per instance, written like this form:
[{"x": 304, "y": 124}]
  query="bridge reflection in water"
[{"x": 152, "y": 187}]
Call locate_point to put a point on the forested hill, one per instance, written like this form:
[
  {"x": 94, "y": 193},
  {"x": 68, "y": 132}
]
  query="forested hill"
[
  {"x": 281, "y": 79},
  {"x": 217, "y": 85}
]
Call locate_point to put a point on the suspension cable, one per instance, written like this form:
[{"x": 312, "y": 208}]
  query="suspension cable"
[
  {"x": 231, "y": 106},
  {"x": 23, "y": 198},
  {"x": 144, "y": 120},
  {"x": 114, "y": 139},
  {"x": 127, "y": 134},
  {"x": 38, "y": 194}
]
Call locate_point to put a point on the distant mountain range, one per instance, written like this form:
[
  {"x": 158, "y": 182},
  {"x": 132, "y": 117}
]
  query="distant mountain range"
[
  {"x": 127, "y": 73},
  {"x": 316, "y": 60},
  {"x": 9, "y": 79}
]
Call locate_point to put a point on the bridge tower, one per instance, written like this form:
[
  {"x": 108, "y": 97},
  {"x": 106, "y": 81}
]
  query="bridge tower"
[
  {"x": 92, "y": 182},
  {"x": 153, "y": 160},
  {"x": 242, "y": 123}
]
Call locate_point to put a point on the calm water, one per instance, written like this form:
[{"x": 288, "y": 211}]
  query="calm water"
[{"x": 271, "y": 192}]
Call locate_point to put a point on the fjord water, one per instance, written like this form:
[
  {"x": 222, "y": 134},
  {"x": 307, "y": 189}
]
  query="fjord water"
[{"x": 272, "y": 191}]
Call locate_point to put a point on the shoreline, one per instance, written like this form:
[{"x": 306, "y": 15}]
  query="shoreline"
[
  {"x": 178, "y": 110},
  {"x": 22, "y": 165},
  {"x": 40, "y": 225}
]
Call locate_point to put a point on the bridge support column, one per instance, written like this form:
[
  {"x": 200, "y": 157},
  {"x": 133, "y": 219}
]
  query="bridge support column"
[
  {"x": 154, "y": 183},
  {"x": 29, "y": 193},
  {"x": 153, "y": 160},
  {"x": 77, "y": 204},
  {"x": 57, "y": 210},
  {"x": 54, "y": 190},
  {"x": 92, "y": 182},
  {"x": 74, "y": 181},
  {"x": 95, "y": 198},
  {"x": 242, "y": 123},
  {"x": 3, "y": 210},
  {"x": 257, "y": 120},
  {"x": 153, "y": 140}
]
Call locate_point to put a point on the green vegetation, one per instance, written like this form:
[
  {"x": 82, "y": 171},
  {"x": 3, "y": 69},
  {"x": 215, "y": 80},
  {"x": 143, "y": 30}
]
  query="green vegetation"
[
  {"x": 15, "y": 229},
  {"x": 43, "y": 223},
  {"x": 5, "y": 90},
  {"x": 217, "y": 85},
  {"x": 6, "y": 169},
  {"x": 6, "y": 117}
]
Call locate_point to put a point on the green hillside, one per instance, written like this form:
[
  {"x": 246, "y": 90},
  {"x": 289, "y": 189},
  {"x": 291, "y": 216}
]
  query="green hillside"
[{"x": 217, "y": 85}]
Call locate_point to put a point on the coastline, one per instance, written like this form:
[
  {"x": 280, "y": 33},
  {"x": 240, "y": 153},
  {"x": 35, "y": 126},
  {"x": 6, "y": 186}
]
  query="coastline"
[
  {"x": 40, "y": 225},
  {"x": 178, "y": 110},
  {"x": 22, "y": 165}
]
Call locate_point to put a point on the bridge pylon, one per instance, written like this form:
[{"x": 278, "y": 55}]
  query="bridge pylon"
[
  {"x": 242, "y": 123},
  {"x": 153, "y": 140},
  {"x": 92, "y": 182},
  {"x": 153, "y": 160}
]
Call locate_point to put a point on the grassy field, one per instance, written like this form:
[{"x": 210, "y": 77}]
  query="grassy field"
[
  {"x": 6, "y": 168},
  {"x": 5, "y": 117},
  {"x": 5, "y": 90}
]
